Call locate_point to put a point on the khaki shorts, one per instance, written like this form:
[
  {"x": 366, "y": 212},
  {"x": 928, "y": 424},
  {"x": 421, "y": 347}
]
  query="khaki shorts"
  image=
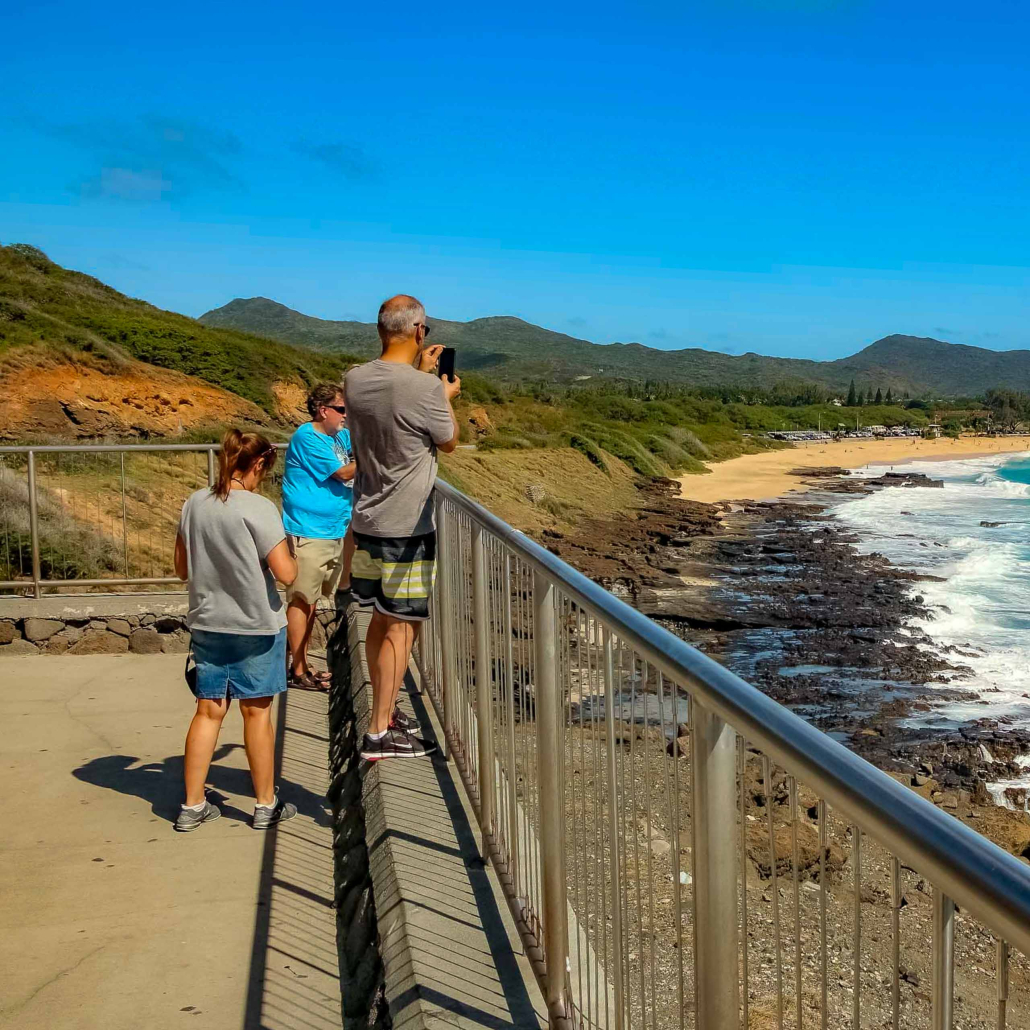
[{"x": 319, "y": 566}]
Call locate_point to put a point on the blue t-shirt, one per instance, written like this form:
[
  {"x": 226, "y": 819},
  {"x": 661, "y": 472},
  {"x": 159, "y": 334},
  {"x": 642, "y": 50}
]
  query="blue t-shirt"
[{"x": 315, "y": 504}]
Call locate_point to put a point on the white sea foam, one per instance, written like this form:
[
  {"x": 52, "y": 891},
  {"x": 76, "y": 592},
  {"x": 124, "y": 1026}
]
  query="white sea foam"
[{"x": 981, "y": 603}]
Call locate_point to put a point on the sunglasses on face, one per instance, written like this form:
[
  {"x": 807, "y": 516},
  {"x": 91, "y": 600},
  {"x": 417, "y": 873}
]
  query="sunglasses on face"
[
  {"x": 337, "y": 407},
  {"x": 423, "y": 325}
]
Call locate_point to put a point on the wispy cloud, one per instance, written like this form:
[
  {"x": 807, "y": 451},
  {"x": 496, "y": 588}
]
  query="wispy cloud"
[
  {"x": 151, "y": 158},
  {"x": 346, "y": 159},
  {"x": 126, "y": 184}
]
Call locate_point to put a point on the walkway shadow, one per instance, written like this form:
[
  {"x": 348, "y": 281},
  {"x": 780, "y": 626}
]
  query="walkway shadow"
[{"x": 160, "y": 784}]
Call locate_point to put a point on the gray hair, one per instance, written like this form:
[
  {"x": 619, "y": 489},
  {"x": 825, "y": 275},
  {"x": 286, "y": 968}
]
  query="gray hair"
[{"x": 399, "y": 315}]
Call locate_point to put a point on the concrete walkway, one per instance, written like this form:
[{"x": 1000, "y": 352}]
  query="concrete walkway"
[{"x": 110, "y": 919}]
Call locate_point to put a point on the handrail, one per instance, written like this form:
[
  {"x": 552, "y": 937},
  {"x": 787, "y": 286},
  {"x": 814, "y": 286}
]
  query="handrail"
[
  {"x": 988, "y": 881},
  {"x": 114, "y": 448}
]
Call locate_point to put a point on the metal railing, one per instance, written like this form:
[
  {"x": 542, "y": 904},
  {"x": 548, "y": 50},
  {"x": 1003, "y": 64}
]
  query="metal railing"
[
  {"x": 97, "y": 516},
  {"x": 680, "y": 850}
]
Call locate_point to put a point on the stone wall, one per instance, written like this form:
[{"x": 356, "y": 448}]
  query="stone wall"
[
  {"x": 357, "y": 938},
  {"x": 138, "y": 634}
]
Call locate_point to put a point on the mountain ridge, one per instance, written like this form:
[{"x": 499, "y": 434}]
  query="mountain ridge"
[{"x": 511, "y": 348}]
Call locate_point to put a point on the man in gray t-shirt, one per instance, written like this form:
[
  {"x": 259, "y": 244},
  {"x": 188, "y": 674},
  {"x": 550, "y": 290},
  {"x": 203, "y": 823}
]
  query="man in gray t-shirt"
[{"x": 399, "y": 415}]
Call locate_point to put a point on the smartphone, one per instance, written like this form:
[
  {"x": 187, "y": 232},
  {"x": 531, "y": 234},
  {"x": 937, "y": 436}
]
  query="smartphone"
[{"x": 446, "y": 363}]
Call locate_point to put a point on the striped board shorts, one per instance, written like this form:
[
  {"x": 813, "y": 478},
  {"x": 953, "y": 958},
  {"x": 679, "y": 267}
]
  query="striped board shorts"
[{"x": 396, "y": 574}]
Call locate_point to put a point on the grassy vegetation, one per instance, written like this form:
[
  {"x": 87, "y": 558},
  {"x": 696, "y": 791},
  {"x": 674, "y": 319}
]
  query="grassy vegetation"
[
  {"x": 652, "y": 437},
  {"x": 43, "y": 305}
]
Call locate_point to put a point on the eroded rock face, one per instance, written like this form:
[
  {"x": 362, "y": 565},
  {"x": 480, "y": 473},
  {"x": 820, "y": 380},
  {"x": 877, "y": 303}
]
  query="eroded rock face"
[{"x": 86, "y": 401}]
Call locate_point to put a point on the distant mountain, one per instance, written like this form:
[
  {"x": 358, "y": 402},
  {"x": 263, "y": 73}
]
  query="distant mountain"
[{"x": 510, "y": 348}]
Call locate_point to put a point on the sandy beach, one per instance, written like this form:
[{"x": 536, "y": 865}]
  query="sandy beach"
[{"x": 762, "y": 477}]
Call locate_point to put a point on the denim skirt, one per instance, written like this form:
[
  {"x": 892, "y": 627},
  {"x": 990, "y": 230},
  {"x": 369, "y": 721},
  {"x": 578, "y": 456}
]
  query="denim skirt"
[{"x": 239, "y": 667}]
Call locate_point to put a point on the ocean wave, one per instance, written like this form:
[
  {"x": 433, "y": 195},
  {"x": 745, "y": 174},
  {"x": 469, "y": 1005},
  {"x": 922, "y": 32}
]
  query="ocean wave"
[{"x": 981, "y": 603}]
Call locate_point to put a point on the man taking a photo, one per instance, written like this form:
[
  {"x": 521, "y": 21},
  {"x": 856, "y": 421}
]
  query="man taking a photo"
[
  {"x": 400, "y": 415},
  {"x": 317, "y": 499}
]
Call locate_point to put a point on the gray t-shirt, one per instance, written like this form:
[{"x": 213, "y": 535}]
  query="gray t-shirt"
[
  {"x": 227, "y": 542},
  {"x": 396, "y": 416}
]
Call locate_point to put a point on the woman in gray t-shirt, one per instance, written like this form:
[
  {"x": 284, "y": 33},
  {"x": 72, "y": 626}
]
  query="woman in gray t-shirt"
[{"x": 231, "y": 548}]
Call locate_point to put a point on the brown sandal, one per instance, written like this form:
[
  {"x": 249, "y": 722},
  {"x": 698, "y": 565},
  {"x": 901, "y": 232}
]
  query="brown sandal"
[{"x": 305, "y": 681}]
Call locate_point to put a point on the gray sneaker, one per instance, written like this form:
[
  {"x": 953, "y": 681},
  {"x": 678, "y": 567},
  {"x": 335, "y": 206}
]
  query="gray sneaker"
[
  {"x": 267, "y": 817},
  {"x": 189, "y": 820}
]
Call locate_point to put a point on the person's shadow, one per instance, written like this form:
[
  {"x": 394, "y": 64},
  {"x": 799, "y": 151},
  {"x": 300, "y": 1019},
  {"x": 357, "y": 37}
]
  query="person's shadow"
[{"x": 160, "y": 784}]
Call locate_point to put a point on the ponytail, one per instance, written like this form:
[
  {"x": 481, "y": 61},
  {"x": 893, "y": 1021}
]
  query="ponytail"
[{"x": 239, "y": 454}]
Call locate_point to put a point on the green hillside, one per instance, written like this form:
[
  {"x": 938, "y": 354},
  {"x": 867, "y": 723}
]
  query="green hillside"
[
  {"x": 511, "y": 349},
  {"x": 45, "y": 306}
]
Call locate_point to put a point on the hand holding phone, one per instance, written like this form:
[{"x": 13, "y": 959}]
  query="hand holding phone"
[{"x": 445, "y": 366}]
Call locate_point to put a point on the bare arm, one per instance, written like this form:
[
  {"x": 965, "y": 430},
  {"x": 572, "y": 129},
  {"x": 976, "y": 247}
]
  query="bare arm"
[
  {"x": 345, "y": 473},
  {"x": 282, "y": 563},
  {"x": 451, "y": 389},
  {"x": 182, "y": 566}
]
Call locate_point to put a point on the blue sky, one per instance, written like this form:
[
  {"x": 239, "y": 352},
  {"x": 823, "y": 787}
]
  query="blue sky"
[{"x": 796, "y": 177}]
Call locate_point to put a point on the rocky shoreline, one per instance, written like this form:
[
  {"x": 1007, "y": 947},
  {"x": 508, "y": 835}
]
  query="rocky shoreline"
[{"x": 777, "y": 592}]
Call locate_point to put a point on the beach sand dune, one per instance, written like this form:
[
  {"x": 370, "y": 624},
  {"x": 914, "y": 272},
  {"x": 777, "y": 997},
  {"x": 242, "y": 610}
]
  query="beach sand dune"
[{"x": 763, "y": 477}]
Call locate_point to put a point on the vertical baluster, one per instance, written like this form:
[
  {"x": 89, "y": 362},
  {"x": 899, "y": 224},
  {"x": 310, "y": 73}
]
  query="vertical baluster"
[
  {"x": 448, "y": 614},
  {"x": 742, "y": 776},
  {"x": 613, "y": 831},
  {"x": 714, "y": 781},
  {"x": 484, "y": 685},
  {"x": 856, "y": 1000},
  {"x": 943, "y": 960},
  {"x": 34, "y": 525},
  {"x": 823, "y": 957},
  {"x": 793, "y": 792},
  {"x": 551, "y": 798},
  {"x": 513, "y": 803},
  {"x": 125, "y": 531},
  {"x": 774, "y": 890},
  {"x": 1002, "y": 975},
  {"x": 895, "y": 943},
  {"x": 650, "y": 870}
]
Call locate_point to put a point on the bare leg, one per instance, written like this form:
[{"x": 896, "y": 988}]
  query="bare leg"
[
  {"x": 259, "y": 743},
  {"x": 348, "y": 558},
  {"x": 387, "y": 664},
  {"x": 299, "y": 619},
  {"x": 200, "y": 745},
  {"x": 373, "y": 645}
]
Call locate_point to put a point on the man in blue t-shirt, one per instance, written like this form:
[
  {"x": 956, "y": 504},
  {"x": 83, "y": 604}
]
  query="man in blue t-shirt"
[{"x": 317, "y": 500}]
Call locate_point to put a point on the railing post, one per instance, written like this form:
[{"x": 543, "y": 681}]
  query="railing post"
[
  {"x": 943, "y": 960},
  {"x": 615, "y": 859},
  {"x": 713, "y": 767},
  {"x": 549, "y": 753},
  {"x": 445, "y": 582},
  {"x": 211, "y": 466},
  {"x": 484, "y": 686},
  {"x": 34, "y": 526}
]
